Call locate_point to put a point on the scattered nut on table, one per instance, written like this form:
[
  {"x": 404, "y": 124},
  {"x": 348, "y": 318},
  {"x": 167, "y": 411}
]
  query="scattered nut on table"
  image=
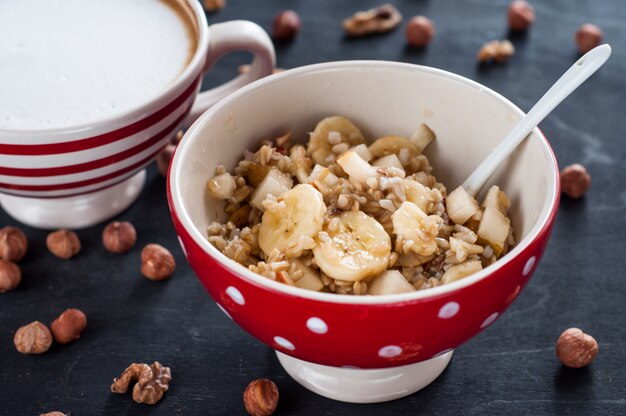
[
  {"x": 164, "y": 158},
  {"x": 10, "y": 276},
  {"x": 380, "y": 19},
  {"x": 497, "y": 51},
  {"x": 68, "y": 326},
  {"x": 56, "y": 413},
  {"x": 588, "y": 36},
  {"x": 521, "y": 15},
  {"x": 213, "y": 5},
  {"x": 419, "y": 31},
  {"x": 178, "y": 137},
  {"x": 576, "y": 349},
  {"x": 119, "y": 237},
  {"x": 575, "y": 180},
  {"x": 286, "y": 25},
  {"x": 246, "y": 68},
  {"x": 157, "y": 263},
  {"x": 13, "y": 244},
  {"x": 261, "y": 397},
  {"x": 63, "y": 243},
  {"x": 34, "y": 338},
  {"x": 151, "y": 382}
]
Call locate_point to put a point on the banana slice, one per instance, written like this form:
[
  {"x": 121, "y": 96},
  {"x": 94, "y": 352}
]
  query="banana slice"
[
  {"x": 292, "y": 221},
  {"x": 330, "y": 132},
  {"x": 356, "y": 249},
  {"x": 412, "y": 224},
  {"x": 392, "y": 145}
]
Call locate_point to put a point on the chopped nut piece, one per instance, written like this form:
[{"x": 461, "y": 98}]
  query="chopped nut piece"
[
  {"x": 63, "y": 243},
  {"x": 261, "y": 397},
  {"x": 576, "y": 349},
  {"x": 13, "y": 244},
  {"x": 213, "y": 5},
  {"x": 588, "y": 36},
  {"x": 286, "y": 25},
  {"x": 419, "y": 31},
  {"x": 377, "y": 20},
  {"x": 10, "y": 276},
  {"x": 152, "y": 381},
  {"x": 34, "y": 338},
  {"x": 520, "y": 15},
  {"x": 497, "y": 51},
  {"x": 68, "y": 326},
  {"x": 575, "y": 180},
  {"x": 157, "y": 263},
  {"x": 119, "y": 236}
]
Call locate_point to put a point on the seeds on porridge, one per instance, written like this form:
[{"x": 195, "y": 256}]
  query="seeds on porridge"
[{"x": 344, "y": 217}]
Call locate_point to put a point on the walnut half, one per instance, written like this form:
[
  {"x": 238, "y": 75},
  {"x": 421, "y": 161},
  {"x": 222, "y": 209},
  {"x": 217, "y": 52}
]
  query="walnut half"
[
  {"x": 377, "y": 20},
  {"x": 151, "y": 382}
]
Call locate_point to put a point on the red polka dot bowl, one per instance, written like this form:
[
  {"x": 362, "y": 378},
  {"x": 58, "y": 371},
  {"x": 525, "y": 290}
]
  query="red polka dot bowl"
[{"x": 366, "y": 348}]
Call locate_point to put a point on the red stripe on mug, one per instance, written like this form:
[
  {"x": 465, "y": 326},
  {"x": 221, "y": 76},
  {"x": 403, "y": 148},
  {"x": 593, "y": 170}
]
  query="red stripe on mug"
[
  {"x": 79, "y": 184},
  {"x": 95, "y": 164},
  {"x": 102, "y": 139}
]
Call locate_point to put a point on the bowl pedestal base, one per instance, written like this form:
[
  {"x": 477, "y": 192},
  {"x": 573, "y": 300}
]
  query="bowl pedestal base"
[
  {"x": 364, "y": 386},
  {"x": 76, "y": 211}
]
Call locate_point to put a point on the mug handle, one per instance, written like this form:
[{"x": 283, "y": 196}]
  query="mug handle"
[{"x": 227, "y": 37}]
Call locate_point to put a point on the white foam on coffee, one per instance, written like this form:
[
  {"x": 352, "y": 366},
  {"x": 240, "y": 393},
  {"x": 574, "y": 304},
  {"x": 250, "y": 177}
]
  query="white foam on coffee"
[{"x": 70, "y": 62}]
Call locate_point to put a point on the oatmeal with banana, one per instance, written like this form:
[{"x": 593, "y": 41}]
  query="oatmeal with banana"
[{"x": 339, "y": 215}]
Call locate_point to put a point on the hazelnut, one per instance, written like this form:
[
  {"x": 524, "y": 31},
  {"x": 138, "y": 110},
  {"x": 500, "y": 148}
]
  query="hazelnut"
[
  {"x": 588, "y": 36},
  {"x": 10, "y": 276},
  {"x": 419, "y": 31},
  {"x": 34, "y": 338},
  {"x": 520, "y": 15},
  {"x": 261, "y": 397},
  {"x": 63, "y": 243},
  {"x": 575, "y": 180},
  {"x": 178, "y": 137},
  {"x": 164, "y": 158},
  {"x": 119, "y": 237},
  {"x": 213, "y": 5},
  {"x": 286, "y": 25},
  {"x": 13, "y": 244},
  {"x": 157, "y": 263},
  {"x": 53, "y": 414},
  {"x": 576, "y": 349},
  {"x": 68, "y": 326}
]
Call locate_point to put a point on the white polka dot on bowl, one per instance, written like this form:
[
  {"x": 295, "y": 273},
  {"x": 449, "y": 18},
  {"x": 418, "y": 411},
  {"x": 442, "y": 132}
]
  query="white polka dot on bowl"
[
  {"x": 286, "y": 344},
  {"x": 317, "y": 325},
  {"x": 528, "y": 267},
  {"x": 389, "y": 351},
  {"x": 235, "y": 295},
  {"x": 490, "y": 320},
  {"x": 449, "y": 310}
]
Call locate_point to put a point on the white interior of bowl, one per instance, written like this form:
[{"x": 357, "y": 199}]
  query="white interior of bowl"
[{"x": 381, "y": 98}]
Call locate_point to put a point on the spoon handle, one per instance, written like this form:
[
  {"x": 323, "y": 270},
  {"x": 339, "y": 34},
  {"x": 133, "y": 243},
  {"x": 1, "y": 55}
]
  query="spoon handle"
[{"x": 569, "y": 81}]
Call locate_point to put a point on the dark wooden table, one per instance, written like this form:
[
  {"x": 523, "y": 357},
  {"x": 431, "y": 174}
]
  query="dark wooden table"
[{"x": 509, "y": 369}]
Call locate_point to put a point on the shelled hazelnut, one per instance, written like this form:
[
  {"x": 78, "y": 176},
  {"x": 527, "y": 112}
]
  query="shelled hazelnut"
[
  {"x": 164, "y": 158},
  {"x": 157, "y": 263},
  {"x": 521, "y": 15},
  {"x": 419, "y": 31},
  {"x": 56, "y": 413},
  {"x": 119, "y": 237},
  {"x": 286, "y": 25},
  {"x": 575, "y": 180},
  {"x": 576, "y": 349},
  {"x": 34, "y": 338},
  {"x": 213, "y": 5},
  {"x": 13, "y": 244},
  {"x": 68, "y": 326},
  {"x": 63, "y": 243},
  {"x": 261, "y": 397},
  {"x": 588, "y": 36},
  {"x": 10, "y": 276}
]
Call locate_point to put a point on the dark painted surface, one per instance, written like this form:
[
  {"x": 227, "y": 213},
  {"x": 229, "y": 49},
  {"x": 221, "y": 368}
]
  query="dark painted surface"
[{"x": 509, "y": 369}]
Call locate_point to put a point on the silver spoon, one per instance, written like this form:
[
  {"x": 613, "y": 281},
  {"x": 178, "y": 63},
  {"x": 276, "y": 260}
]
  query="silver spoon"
[{"x": 569, "y": 81}]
